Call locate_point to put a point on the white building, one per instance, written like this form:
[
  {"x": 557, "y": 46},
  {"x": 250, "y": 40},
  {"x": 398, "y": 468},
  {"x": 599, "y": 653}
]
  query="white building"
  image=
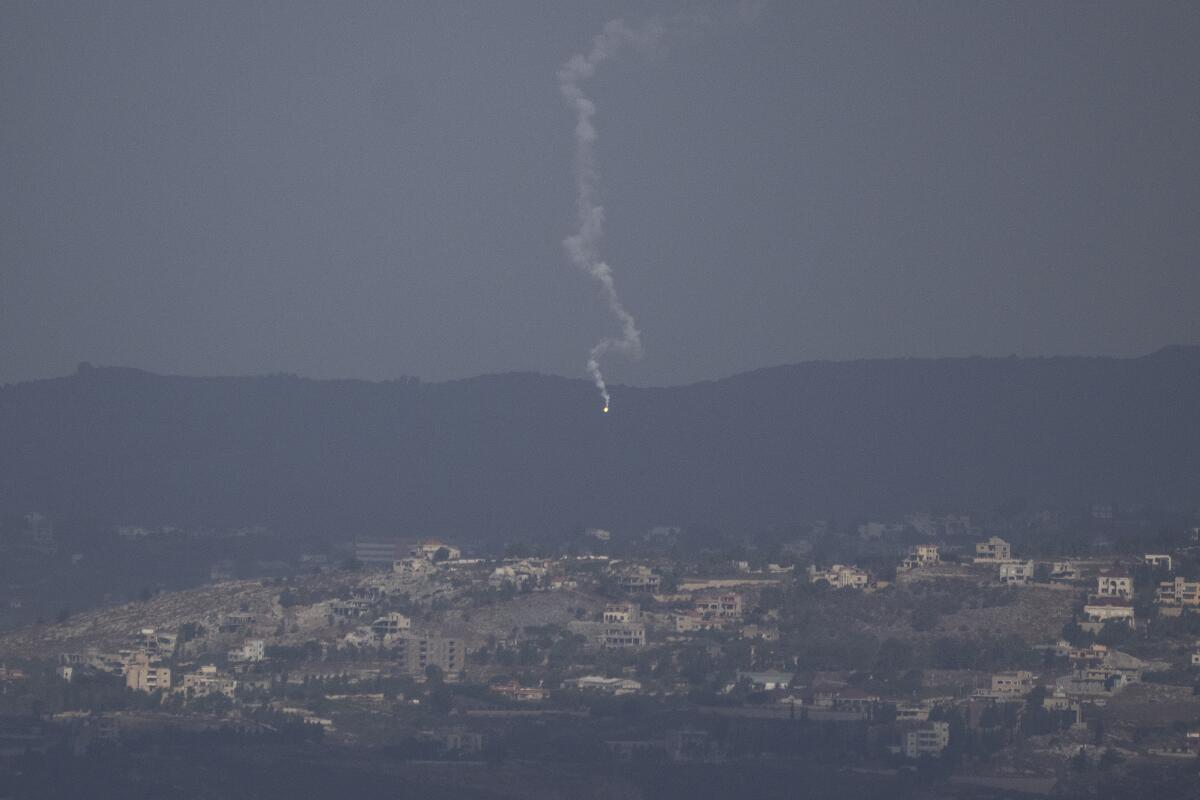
[
  {"x": 726, "y": 605},
  {"x": 1016, "y": 573},
  {"x": 252, "y": 651},
  {"x": 622, "y": 635},
  {"x": 1178, "y": 592},
  {"x": 928, "y": 740},
  {"x": 519, "y": 574},
  {"x": 597, "y": 683},
  {"x": 1114, "y": 583},
  {"x": 1157, "y": 560},
  {"x": 1015, "y": 684},
  {"x": 622, "y": 613},
  {"x": 208, "y": 680},
  {"x": 1064, "y": 571},
  {"x": 840, "y": 576},
  {"x": 1103, "y": 609}
]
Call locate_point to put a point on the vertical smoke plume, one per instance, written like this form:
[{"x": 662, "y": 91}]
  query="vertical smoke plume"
[{"x": 583, "y": 247}]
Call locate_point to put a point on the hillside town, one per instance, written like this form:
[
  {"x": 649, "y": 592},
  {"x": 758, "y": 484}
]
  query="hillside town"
[{"x": 919, "y": 646}]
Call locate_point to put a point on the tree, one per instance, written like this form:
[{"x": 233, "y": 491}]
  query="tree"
[{"x": 894, "y": 657}]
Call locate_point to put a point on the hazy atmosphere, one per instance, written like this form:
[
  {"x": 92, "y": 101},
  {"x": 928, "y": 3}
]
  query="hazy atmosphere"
[
  {"x": 768, "y": 399},
  {"x": 376, "y": 189}
]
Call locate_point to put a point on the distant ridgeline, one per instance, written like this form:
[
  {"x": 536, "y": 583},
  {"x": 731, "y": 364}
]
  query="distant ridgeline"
[{"x": 503, "y": 455}]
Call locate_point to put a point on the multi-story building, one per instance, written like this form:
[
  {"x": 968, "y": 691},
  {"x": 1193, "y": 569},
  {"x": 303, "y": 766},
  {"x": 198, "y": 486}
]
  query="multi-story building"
[
  {"x": 416, "y": 653},
  {"x": 1178, "y": 592},
  {"x": 145, "y": 676},
  {"x": 1114, "y": 583},
  {"x": 638, "y": 578},
  {"x": 622, "y": 613},
  {"x": 208, "y": 680},
  {"x": 928, "y": 740},
  {"x": 1017, "y": 684},
  {"x": 726, "y": 605},
  {"x": 1016, "y": 573},
  {"x": 353, "y": 608},
  {"x": 923, "y": 555},
  {"x": 253, "y": 650},
  {"x": 1103, "y": 609},
  {"x": 619, "y": 636},
  {"x": 390, "y": 624},
  {"x": 994, "y": 549}
]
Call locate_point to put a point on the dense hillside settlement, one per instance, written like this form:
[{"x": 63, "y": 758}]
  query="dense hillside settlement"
[{"x": 1055, "y": 654}]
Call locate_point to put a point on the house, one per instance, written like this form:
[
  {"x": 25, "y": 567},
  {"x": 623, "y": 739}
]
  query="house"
[
  {"x": 727, "y": 605},
  {"x": 689, "y": 621},
  {"x": 993, "y": 550},
  {"x": 526, "y": 573},
  {"x": 1157, "y": 560},
  {"x": 155, "y": 643},
  {"x": 638, "y": 578},
  {"x": 515, "y": 691},
  {"x": 1063, "y": 572},
  {"x": 1012, "y": 684},
  {"x": 390, "y": 624},
  {"x": 1113, "y": 672},
  {"x": 1016, "y": 573},
  {"x": 767, "y": 681},
  {"x": 856, "y": 701},
  {"x": 1092, "y": 654},
  {"x": 930, "y": 740},
  {"x": 1178, "y": 592},
  {"x": 622, "y": 613},
  {"x": 435, "y": 550},
  {"x": 840, "y": 576},
  {"x": 923, "y": 555},
  {"x": 253, "y": 650},
  {"x": 597, "y": 683},
  {"x": 1114, "y": 582},
  {"x": 618, "y": 635},
  {"x": 1102, "y": 609},
  {"x": 206, "y": 681}
]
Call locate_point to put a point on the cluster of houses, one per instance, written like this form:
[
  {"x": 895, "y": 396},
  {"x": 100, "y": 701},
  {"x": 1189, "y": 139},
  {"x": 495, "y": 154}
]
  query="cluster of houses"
[{"x": 144, "y": 664}]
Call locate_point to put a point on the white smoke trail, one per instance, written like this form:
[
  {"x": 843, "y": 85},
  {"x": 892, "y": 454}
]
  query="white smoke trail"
[{"x": 583, "y": 247}]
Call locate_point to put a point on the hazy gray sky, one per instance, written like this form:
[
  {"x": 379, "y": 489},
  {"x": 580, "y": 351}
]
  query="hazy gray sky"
[{"x": 377, "y": 189}]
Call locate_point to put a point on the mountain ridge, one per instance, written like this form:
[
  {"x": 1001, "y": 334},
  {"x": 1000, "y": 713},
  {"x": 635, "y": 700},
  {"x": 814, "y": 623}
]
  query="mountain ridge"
[{"x": 509, "y": 454}]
